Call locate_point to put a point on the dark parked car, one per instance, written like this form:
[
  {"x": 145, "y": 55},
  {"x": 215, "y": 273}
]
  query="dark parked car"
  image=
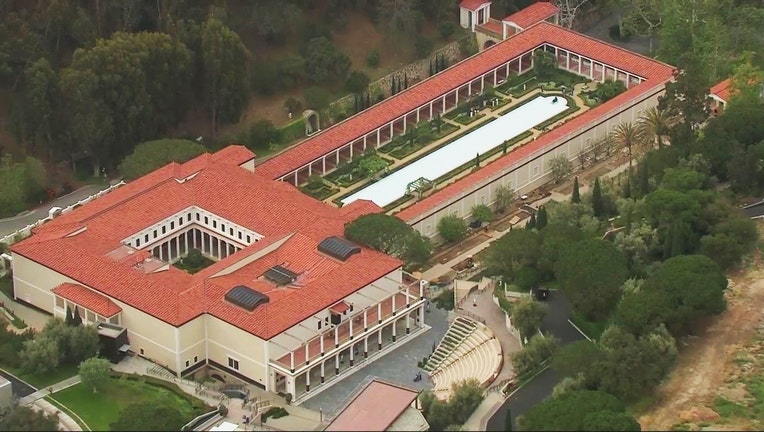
[{"x": 541, "y": 293}]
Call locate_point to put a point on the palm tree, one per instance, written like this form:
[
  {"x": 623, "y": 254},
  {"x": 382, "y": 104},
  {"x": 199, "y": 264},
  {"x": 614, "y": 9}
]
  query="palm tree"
[
  {"x": 628, "y": 135},
  {"x": 655, "y": 124}
]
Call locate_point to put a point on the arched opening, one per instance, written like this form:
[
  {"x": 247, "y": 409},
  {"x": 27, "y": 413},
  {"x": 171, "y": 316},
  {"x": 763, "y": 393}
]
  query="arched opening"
[{"x": 488, "y": 44}]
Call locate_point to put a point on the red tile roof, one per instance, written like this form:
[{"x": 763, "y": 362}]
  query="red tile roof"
[
  {"x": 374, "y": 409},
  {"x": 425, "y": 91},
  {"x": 88, "y": 299},
  {"x": 532, "y": 14},
  {"x": 722, "y": 90},
  {"x": 472, "y": 4},
  {"x": 82, "y": 245}
]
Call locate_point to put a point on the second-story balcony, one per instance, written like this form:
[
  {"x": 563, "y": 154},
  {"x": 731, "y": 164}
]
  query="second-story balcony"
[{"x": 353, "y": 327}]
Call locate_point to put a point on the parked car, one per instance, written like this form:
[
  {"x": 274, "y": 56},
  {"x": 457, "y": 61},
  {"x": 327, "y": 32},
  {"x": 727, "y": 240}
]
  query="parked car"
[{"x": 541, "y": 293}]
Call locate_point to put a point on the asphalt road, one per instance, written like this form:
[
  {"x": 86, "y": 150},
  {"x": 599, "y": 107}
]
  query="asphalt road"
[
  {"x": 15, "y": 223},
  {"x": 540, "y": 388},
  {"x": 19, "y": 388}
]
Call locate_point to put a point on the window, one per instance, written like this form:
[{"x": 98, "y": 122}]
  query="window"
[
  {"x": 91, "y": 316},
  {"x": 351, "y": 307},
  {"x": 196, "y": 359},
  {"x": 214, "y": 224},
  {"x": 239, "y": 235},
  {"x": 233, "y": 363},
  {"x": 164, "y": 229},
  {"x": 198, "y": 216},
  {"x": 326, "y": 320},
  {"x": 99, "y": 318},
  {"x": 319, "y": 325},
  {"x": 114, "y": 319},
  {"x": 146, "y": 238},
  {"x": 141, "y": 351},
  {"x": 137, "y": 242},
  {"x": 155, "y": 233},
  {"x": 206, "y": 220},
  {"x": 222, "y": 227},
  {"x": 188, "y": 217},
  {"x": 60, "y": 303},
  {"x": 180, "y": 221},
  {"x": 187, "y": 363},
  {"x": 230, "y": 232},
  {"x": 249, "y": 239},
  {"x": 172, "y": 225}
]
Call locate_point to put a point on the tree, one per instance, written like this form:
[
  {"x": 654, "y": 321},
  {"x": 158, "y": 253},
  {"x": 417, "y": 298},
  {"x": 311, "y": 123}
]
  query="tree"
[
  {"x": 22, "y": 418},
  {"x": 293, "y": 105},
  {"x": 357, "y": 82},
  {"x": 554, "y": 238},
  {"x": 317, "y": 98},
  {"x": 598, "y": 203},
  {"x": 225, "y": 65},
  {"x": 466, "y": 397},
  {"x": 560, "y": 167},
  {"x": 452, "y": 228},
  {"x": 629, "y": 136},
  {"x": 591, "y": 272},
  {"x": 542, "y": 219},
  {"x": 504, "y": 195},
  {"x": 576, "y": 197},
  {"x": 544, "y": 64},
  {"x": 418, "y": 249},
  {"x": 40, "y": 105},
  {"x": 151, "y": 155},
  {"x": 531, "y": 224},
  {"x": 95, "y": 372},
  {"x": 535, "y": 351},
  {"x": 511, "y": 252},
  {"x": 482, "y": 213},
  {"x": 656, "y": 124},
  {"x": 379, "y": 231},
  {"x": 325, "y": 63},
  {"x": 570, "y": 410},
  {"x": 399, "y": 18},
  {"x": 686, "y": 96},
  {"x": 477, "y": 160},
  {"x": 610, "y": 421},
  {"x": 76, "y": 318},
  {"x": 580, "y": 358},
  {"x": 569, "y": 10},
  {"x": 527, "y": 315},
  {"x": 41, "y": 354},
  {"x": 149, "y": 416},
  {"x": 641, "y": 312}
]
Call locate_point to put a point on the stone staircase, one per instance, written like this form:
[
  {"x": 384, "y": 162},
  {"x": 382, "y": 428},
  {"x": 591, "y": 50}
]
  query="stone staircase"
[{"x": 457, "y": 333}]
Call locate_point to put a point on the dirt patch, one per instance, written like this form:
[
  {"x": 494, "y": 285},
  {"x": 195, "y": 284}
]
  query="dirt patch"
[
  {"x": 706, "y": 363},
  {"x": 458, "y": 249}
]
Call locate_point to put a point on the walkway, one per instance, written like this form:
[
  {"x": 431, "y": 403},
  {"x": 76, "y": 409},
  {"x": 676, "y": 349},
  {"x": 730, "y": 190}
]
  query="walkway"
[
  {"x": 33, "y": 318},
  {"x": 57, "y": 387},
  {"x": 65, "y": 422},
  {"x": 15, "y": 223}
]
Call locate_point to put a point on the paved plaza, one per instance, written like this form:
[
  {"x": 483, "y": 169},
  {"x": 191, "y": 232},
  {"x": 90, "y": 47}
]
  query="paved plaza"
[{"x": 399, "y": 366}]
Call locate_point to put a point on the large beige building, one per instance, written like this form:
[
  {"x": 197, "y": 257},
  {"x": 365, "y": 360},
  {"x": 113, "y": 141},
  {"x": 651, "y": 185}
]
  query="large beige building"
[{"x": 286, "y": 305}]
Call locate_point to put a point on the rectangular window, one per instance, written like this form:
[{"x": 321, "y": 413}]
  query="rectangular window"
[
  {"x": 188, "y": 217},
  {"x": 99, "y": 318},
  {"x": 164, "y": 229},
  {"x": 180, "y": 221},
  {"x": 230, "y": 232},
  {"x": 187, "y": 363},
  {"x": 319, "y": 325},
  {"x": 91, "y": 316},
  {"x": 172, "y": 225},
  {"x": 114, "y": 319},
  {"x": 141, "y": 351},
  {"x": 198, "y": 216},
  {"x": 196, "y": 359},
  {"x": 206, "y": 220},
  {"x": 233, "y": 363},
  {"x": 239, "y": 235},
  {"x": 59, "y": 302},
  {"x": 214, "y": 224},
  {"x": 155, "y": 233},
  {"x": 137, "y": 242},
  {"x": 249, "y": 239},
  {"x": 222, "y": 227},
  {"x": 146, "y": 238}
]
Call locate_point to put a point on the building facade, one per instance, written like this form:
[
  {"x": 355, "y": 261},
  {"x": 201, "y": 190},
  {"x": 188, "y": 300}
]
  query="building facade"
[{"x": 287, "y": 303}]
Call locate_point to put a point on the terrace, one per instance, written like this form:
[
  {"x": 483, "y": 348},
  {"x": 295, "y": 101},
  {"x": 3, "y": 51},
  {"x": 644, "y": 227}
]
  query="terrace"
[{"x": 455, "y": 126}]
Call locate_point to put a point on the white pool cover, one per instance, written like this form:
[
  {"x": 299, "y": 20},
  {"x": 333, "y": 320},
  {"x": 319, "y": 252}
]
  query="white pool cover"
[{"x": 462, "y": 150}]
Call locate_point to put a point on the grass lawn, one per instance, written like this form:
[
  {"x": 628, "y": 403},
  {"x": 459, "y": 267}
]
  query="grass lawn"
[
  {"x": 46, "y": 379},
  {"x": 592, "y": 329},
  {"x": 102, "y": 409}
]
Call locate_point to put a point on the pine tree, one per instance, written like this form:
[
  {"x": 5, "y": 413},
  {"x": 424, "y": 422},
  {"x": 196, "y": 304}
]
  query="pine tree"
[
  {"x": 405, "y": 80},
  {"x": 627, "y": 188},
  {"x": 598, "y": 205},
  {"x": 477, "y": 160},
  {"x": 644, "y": 180},
  {"x": 542, "y": 219},
  {"x": 368, "y": 99},
  {"x": 69, "y": 316},
  {"x": 76, "y": 317},
  {"x": 357, "y": 104},
  {"x": 576, "y": 193},
  {"x": 531, "y": 222},
  {"x": 443, "y": 62},
  {"x": 504, "y": 147},
  {"x": 438, "y": 121},
  {"x": 432, "y": 68},
  {"x": 392, "y": 86}
]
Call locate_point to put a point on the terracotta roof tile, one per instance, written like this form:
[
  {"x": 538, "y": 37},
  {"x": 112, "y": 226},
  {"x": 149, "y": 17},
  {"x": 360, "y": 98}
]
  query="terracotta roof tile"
[
  {"x": 272, "y": 208},
  {"x": 88, "y": 299},
  {"x": 472, "y": 4},
  {"x": 532, "y": 14},
  {"x": 722, "y": 90},
  {"x": 423, "y": 92}
]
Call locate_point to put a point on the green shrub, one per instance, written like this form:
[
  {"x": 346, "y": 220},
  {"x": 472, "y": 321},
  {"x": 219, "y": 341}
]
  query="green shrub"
[
  {"x": 423, "y": 46},
  {"x": 275, "y": 412},
  {"x": 446, "y": 29},
  {"x": 372, "y": 58}
]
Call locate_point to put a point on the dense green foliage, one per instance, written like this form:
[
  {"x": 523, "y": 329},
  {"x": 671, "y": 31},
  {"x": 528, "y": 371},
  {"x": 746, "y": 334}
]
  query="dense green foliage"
[
  {"x": 466, "y": 397},
  {"x": 579, "y": 410},
  {"x": 59, "y": 344},
  {"x": 390, "y": 235},
  {"x": 148, "y": 156},
  {"x": 21, "y": 184},
  {"x": 20, "y": 418},
  {"x": 452, "y": 228}
]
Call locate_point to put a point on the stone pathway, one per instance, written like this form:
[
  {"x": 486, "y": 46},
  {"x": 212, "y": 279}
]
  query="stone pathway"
[
  {"x": 65, "y": 422},
  {"x": 57, "y": 387}
]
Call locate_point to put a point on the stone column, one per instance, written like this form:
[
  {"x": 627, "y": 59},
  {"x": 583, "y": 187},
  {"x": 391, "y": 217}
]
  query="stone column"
[
  {"x": 337, "y": 364},
  {"x": 322, "y": 345},
  {"x": 365, "y": 320},
  {"x": 408, "y": 319},
  {"x": 322, "y": 372},
  {"x": 366, "y": 347},
  {"x": 307, "y": 354},
  {"x": 307, "y": 381},
  {"x": 291, "y": 361},
  {"x": 379, "y": 339},
  {"x": 394, "y": 326},
  {"x": 336, "y": 337},
  {"x": 379, "y": 313}
]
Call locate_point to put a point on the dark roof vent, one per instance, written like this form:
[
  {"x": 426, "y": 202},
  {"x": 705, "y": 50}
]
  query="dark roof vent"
[
  {"x": 280, "y": 275},
  {"x": 337, "y": 247},
  {"x": 246, "y": 298}
]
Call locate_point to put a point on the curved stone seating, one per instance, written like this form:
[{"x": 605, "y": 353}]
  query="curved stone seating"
[{"x": 478, "y": 356}]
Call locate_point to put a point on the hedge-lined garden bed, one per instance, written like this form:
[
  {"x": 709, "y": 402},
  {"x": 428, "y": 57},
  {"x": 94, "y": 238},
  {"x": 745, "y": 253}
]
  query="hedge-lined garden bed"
[
  {"x": 360, "y": 168},
  {"x": 572, "y": 107}
]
